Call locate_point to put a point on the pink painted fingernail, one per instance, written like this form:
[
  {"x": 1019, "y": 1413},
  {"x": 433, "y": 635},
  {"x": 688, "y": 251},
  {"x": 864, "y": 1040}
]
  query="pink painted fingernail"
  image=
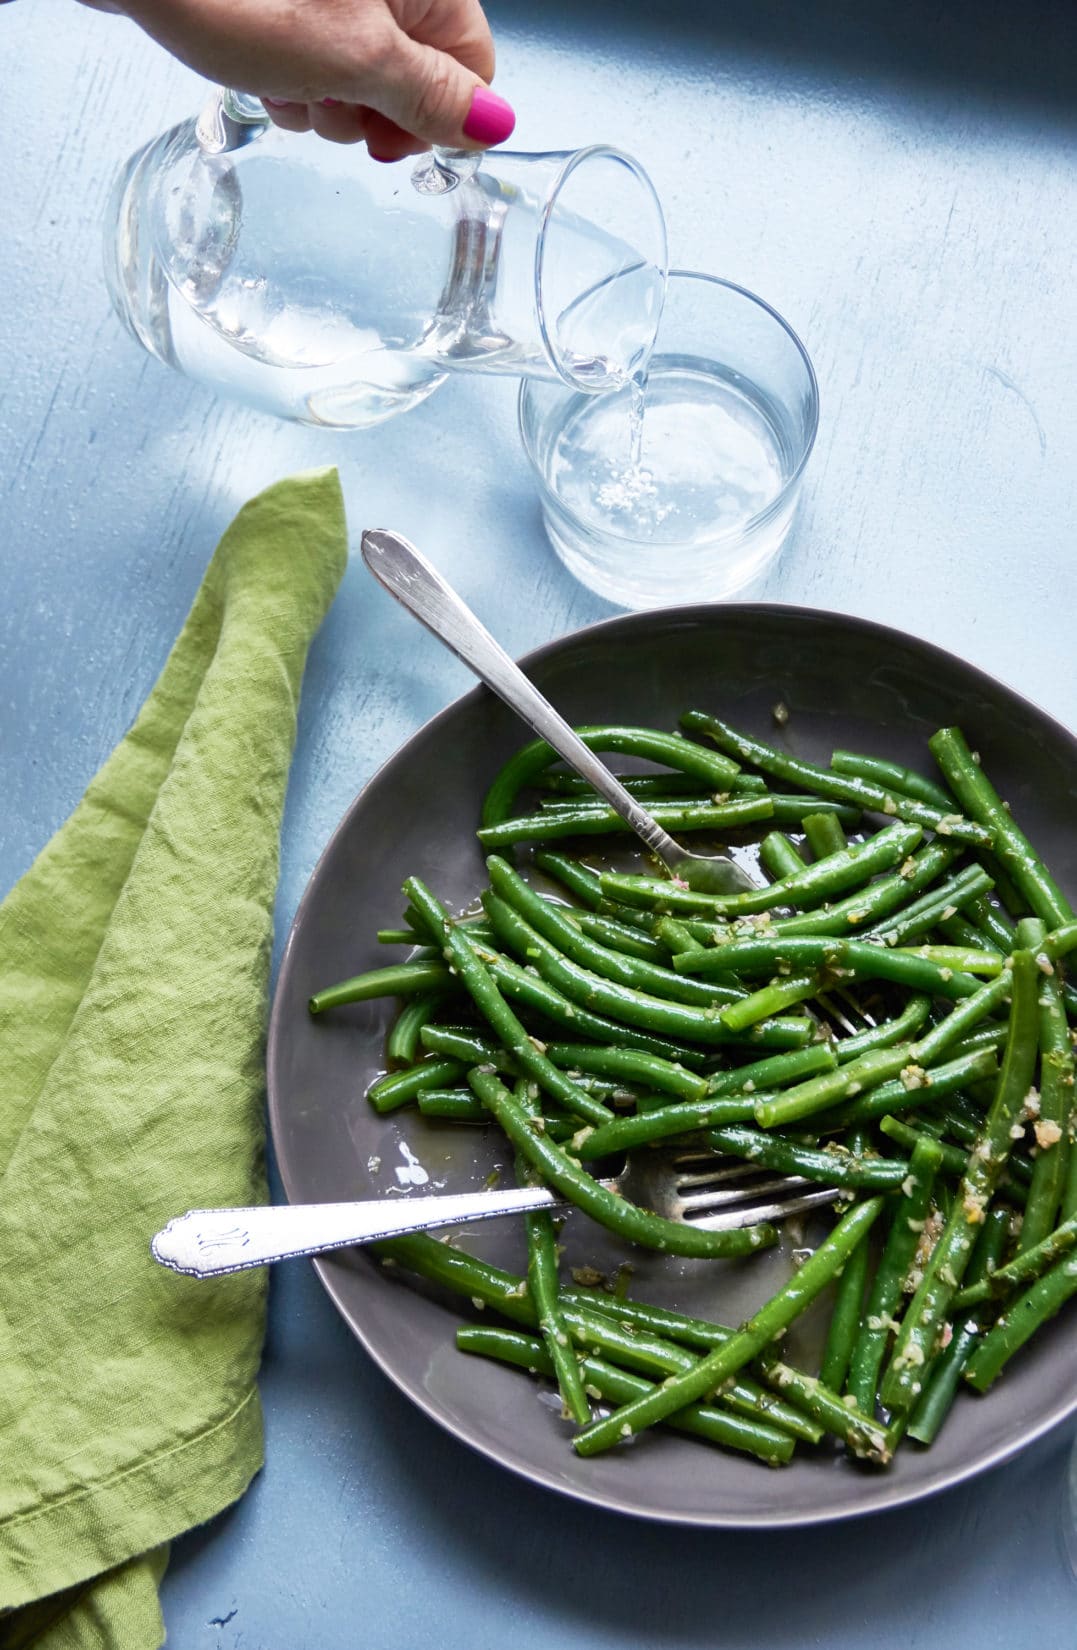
[
  {"x": 276, "y": 102},
  {"x": 490, "y": 119},
  {"x": 330, "y": 103}
]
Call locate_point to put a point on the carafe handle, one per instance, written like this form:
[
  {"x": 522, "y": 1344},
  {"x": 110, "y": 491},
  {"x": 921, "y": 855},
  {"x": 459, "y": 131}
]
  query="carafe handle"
[{"x": 229, "y": 121}]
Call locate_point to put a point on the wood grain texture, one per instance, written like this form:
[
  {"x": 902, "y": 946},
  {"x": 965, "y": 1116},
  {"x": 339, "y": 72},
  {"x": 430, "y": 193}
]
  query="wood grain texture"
[{"x": 901, "y": 183}]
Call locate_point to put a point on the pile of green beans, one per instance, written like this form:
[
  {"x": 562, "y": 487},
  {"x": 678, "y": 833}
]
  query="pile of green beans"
[{"x": 886, "y": 1014}]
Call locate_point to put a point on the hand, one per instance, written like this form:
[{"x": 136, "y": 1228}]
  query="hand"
[{"x": 398, "y": 75}]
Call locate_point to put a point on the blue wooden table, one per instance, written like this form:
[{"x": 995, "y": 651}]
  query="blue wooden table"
[{"x": 901, "y": 183}]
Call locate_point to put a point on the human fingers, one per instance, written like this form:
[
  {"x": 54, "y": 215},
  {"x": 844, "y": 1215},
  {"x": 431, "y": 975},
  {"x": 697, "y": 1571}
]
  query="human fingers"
[
  {"x": 458, "y": 27},
  {"x": 388, "y": 141},
  {"x": 433, "y": 96},
  {"x": 291, "y": 117},
  {"x": 339, "y": 122}
]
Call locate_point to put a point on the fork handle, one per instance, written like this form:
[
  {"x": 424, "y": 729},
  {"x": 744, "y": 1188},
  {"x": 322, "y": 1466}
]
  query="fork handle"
[
  {"x": 419, "y": 587},
  {"x": 205, "y": 1242}
]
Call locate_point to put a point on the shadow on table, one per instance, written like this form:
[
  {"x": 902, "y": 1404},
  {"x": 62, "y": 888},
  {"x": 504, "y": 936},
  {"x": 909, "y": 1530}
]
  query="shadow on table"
[
  {"x": 590, "y": 1573},
  {"x": 992, "y": 49},
  {"x": 366, "y": 1502}
]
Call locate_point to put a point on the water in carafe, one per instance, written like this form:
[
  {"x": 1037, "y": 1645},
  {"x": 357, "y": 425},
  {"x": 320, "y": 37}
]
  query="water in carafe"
[{"x": 315, "y": 284}]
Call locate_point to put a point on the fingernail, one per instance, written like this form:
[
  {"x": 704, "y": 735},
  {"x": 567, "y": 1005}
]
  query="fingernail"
[
  {"x": 490, "y": 119},
  {"x": 330, "y": 103},
  {"x": 384, "y": 160},
  {"x": 276, "y": 102}
]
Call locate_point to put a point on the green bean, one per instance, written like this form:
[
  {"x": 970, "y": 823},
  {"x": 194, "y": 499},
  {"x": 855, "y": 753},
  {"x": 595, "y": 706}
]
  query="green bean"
[
  {"x": 769, "y": 1000},
  {"x": 990, "y": 1037},
  {"x": 557, "y": 927},
  {"x": 579, "y": 879},
  {"x": 716, "y": 772},
  {"x": 1026, "y": 1266},
  {"x": 591, "y": 819},
  {"x": 941, "y": 1389},
  {"x": 656, "y": 787},
  {"x": 958, "y": 930},
  {"x": 774, "y": 1071},
  {"x": 817, "y": 1409},
  {"x": 945, "y": 971},
  {"x": 849, "y": 867},
  {"x": 892, "y": 777},
  {"x": 925, "y": 913},
  {"x": 467, "y": 1044},
  {"x": 909, "y": 1217},
  {"x": 629, "y": 1065},
  {"x": 1020, "y": 1321},
  {"x": 675, "y": 936},
  {"x": 1060, "y": 941},
  {"x": 564, "y": 1174},
  {"x": 507, "y": 1294},
  {"x": 778, "y": 856},
  {"x": 825, "y": 834},
  {"x": 650, "y": 1354},
  {"x": 861, "y": 1433},
  {"x": 655, "y": 1320},
  {"x": 401, "y": 980},
  {"x": 487, "y": 998},
  {"x": 396, "y": 1089},
  {"x": 716, "y": 1366},
  {"x": 465, "y": 1274},
  {"x": 855, "y": 1168},
  {"x": 996, "y": 926},
  {"x": 615, "y": 1385},
  {"x": 640, "y": 1008},
  {"x": 966, "y": 1133},
  {"x": 834, "y": 787},
  {"x": 819, "y": 1093},
  {"x": 543, "y": 1281},
  {"x": 395, "y": 936},
  {"x": 1052, "y": 1124},
  {"x": 618, "y": 936},
  {"x": 624, "y": 1134},
  {"x": 644, "y": 786},
  {"x": 962, "y": 1017},
  {"x": 954, "y": 1158},
  {"x": 789, "y": 808},
  {"x": 913, "y": 1088},
  {"x": 635, "y": 1341},
  {"x": 877, "y": 899},
  {"x": 917, "y": 1341},
  {"x": 404, "y": 1037},
  {"x": 527, "y": 987},
  {"x": 901, "y": 1029},
  {"x": 848, "y": 1295},
  {"x": 458, "y": 1106},
  {"x": 849, "y": 915},
  {"x": 982, "y": 802}
]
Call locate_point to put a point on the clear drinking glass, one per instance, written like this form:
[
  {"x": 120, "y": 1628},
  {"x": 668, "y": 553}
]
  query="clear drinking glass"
[
  {"x": 692, "y": 500},
  {"x": 310, "y": 281}
]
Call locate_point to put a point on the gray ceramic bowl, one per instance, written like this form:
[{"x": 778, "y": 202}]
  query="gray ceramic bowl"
[{"x": 846, "y": 683}]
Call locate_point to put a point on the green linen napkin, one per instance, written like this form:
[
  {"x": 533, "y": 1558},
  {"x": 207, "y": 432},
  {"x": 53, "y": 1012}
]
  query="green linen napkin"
[{"x": 134, "y": 959}]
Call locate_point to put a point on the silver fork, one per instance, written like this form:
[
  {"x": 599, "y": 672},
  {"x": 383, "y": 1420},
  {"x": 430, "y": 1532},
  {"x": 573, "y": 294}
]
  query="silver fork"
[
  {"x": 707, "y": 1191},
  {"x": 419, "y": 587}
]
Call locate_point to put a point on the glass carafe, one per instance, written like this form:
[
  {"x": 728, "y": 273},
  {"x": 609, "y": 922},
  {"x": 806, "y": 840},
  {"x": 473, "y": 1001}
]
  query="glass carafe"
[{"x": 316, "y": 284}]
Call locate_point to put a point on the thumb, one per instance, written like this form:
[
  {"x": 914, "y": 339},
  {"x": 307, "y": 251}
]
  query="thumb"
[{"x": 435, "y": 98}]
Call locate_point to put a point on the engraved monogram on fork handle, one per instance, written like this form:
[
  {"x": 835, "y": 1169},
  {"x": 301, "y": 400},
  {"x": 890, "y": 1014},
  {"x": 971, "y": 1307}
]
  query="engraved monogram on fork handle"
[{"x": 204, "y": 1243}]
